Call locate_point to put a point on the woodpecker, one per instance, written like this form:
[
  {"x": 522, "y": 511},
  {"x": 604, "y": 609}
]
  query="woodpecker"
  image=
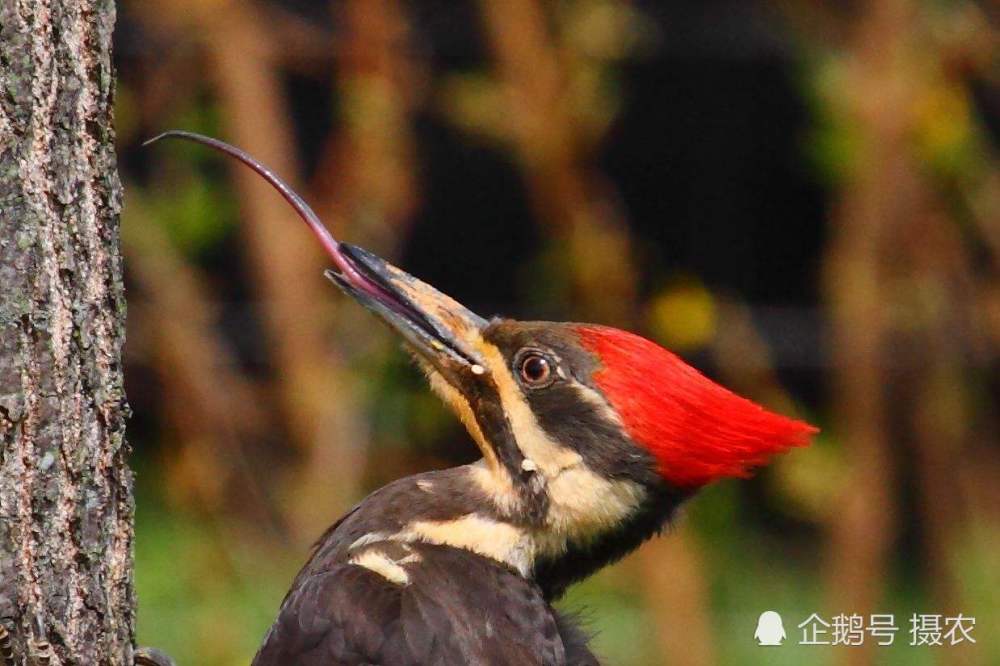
[{"x": 590, "y": 436}]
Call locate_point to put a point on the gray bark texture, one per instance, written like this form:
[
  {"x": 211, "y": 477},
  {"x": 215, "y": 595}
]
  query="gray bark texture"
[{"x": 66, "y": 512}]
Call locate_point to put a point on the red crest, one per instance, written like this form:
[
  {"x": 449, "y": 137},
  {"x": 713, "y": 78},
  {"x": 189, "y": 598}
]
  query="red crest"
[{"x": 697, "y": 430}]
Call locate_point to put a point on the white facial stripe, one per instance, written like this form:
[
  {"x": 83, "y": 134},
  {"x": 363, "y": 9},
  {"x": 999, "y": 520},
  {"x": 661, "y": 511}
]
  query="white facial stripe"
[
  {"x": 497, "y": 487},
  {"x": 584, "y": 505},
  {"x": 499, "y": 541},
  {"x": 550, "y": 456},
  {"x": 597, "y": 401}
]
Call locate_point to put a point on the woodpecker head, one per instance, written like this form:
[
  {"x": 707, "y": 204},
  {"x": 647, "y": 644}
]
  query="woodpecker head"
[
  {"x": 585, "y": 430},
  {"x": 591, "y": 436}
]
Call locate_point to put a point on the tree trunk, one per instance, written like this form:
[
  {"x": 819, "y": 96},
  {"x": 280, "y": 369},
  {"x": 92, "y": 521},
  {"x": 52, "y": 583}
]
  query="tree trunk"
[{"x": 65, "y": 488}]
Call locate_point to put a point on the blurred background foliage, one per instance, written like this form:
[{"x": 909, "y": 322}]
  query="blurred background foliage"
[{"x": 800, "y": 197}]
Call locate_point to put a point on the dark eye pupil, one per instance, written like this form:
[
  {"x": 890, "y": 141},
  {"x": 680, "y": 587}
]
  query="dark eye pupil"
[{"x": 535, "y": 369}]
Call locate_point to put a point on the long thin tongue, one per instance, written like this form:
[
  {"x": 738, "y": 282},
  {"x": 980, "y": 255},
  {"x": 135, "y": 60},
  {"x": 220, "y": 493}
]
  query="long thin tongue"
[{"x": 326, "y": 239}]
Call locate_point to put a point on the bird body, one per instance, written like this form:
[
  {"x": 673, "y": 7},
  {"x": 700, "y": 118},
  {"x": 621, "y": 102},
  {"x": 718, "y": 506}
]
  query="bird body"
[
  {"x": 385, "y": 586},
  {"x": 590, "y": 439},
  {"x": 460, "y": 566}
]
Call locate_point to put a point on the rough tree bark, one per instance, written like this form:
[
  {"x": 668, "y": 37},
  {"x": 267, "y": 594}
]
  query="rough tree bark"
[{"x": 65, "y": 488}]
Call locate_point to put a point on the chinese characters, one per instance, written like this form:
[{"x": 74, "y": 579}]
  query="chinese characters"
[{"x": 881, "y": 628}]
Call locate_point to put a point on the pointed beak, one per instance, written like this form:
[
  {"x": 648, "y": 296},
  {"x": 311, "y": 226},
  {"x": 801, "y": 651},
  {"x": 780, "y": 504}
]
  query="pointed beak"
[{"x": 435, "y": 326}]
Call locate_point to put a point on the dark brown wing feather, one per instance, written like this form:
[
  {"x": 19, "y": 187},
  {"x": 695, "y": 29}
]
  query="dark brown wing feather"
[{"x": 458, "y": 608}]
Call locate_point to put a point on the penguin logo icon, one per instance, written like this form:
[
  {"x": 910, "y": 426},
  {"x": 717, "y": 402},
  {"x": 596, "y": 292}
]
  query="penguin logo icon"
[{"x": 770, "y": 631}]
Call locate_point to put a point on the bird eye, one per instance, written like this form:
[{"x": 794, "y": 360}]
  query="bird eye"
[{"x": 536, "y": 370}]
